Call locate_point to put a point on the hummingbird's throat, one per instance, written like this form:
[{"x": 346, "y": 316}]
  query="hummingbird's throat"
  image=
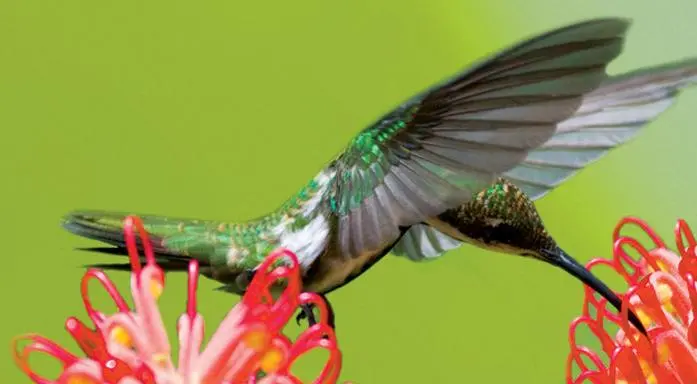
[{"x": 490, "y": 234}]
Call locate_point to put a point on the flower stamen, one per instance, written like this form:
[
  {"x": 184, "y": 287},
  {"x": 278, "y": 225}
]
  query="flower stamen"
[
  {"x": 256, "y": 340},
  {"x": 156, "y": 289},
  {"x": 272, "y": 360},
  {"x": 80, "y": 379},
  {"x": 119, "y": 335},
  {"x": 131, "y": 346},
  {"x": 661, "y": 292}
]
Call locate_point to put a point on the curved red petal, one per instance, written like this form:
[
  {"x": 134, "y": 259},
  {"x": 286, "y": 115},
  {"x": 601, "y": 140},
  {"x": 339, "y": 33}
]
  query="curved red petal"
[
  {"x": 39, "y": 344},
  {"x": 106, "y": 283},
  {"x": 666, "y": 355}
]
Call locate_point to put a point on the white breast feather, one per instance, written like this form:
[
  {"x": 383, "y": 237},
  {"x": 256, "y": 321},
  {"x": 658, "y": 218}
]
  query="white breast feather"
[{"x": 309, "y": 241}]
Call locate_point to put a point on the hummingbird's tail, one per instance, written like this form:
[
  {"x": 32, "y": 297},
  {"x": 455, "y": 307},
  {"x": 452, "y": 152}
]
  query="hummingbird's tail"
[{"x": 108, "y": 228}]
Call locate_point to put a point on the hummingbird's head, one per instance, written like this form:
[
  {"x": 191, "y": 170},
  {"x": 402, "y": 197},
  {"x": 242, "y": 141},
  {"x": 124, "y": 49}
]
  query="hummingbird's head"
[
  {"x": 563, "y": 260},
  {"x": 502, "y": 218}
]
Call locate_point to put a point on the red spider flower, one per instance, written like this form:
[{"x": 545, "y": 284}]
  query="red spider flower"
[
  {"x": 132, "y": 347},
  {"x": 662, "y": 293}
]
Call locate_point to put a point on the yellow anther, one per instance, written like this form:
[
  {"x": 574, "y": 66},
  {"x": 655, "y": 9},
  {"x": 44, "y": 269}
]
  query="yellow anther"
[
  {"x": 156, "y": 289},
  {"x": 665, "y": 295},
  {"x": 271, "y": 361},
  {"x": 661, "y": 265},
  {"x": 668, "y": 307},
  {"x": 648, "y": 372},
  {"x": 664, "y": 292},
  {"x": 80, "y": 379},
  {"x": 161, "y": 359},
  {"x": 643, "y": 316},
  {"x": 120, "y": 336},
  {"x": 663, "y": 353},
  {"x": 256, "y": 340}
]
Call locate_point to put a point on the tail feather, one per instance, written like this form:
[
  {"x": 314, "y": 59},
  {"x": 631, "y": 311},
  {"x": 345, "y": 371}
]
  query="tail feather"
[
  {"x": 108, "y": 228},
  {"x": 166, "y": 267},
  {"x": 168, "y": 262}
]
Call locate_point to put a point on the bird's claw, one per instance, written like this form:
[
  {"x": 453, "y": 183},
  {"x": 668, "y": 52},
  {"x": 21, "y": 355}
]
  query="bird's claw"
[
  {"x": 301, "y": 316},
  {"x": 306, "y": 312}
]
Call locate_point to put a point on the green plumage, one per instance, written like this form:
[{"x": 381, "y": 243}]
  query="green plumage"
[
  {"x": 367, "y": 157},
  {"x": 461, "y": 162},
  {"x": 208, "y": 241}
]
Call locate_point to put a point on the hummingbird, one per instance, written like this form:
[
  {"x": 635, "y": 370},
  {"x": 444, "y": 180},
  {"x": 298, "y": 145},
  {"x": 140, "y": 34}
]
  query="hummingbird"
[{"x": 461, "y": 162}]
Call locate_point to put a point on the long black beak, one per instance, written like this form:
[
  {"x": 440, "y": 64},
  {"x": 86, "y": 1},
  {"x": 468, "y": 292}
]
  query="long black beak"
[{"x": 562, "y": 260}]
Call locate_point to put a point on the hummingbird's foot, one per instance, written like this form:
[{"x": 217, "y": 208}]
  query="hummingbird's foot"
[{"x": 307, "y": 312}]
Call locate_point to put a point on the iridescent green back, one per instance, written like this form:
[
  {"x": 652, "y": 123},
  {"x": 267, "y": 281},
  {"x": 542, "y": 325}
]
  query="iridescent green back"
[{"x": 244, "y": 245}]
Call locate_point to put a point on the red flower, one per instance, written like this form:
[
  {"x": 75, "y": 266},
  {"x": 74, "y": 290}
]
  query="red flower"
[
  {"x": 662, "y": 292},
  {"x": 132, "y": 347}
]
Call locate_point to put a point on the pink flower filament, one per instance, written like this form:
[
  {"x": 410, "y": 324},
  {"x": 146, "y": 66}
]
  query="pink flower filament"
[{"x": 132, "y": 347}]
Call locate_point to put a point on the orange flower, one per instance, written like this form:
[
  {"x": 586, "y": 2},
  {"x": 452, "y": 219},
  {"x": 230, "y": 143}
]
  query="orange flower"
[
  {"x": 132, "y": 347},
  {"x": 662, "y": 292}
]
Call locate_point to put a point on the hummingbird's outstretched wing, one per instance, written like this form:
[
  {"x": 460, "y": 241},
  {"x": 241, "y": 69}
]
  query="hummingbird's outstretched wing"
[
  {"x": 438, "y": 149},
  {"x": 609, "y": 116}
]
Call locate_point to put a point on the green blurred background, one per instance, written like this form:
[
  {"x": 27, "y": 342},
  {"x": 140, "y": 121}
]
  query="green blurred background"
[{"x": 222, "y": 109}]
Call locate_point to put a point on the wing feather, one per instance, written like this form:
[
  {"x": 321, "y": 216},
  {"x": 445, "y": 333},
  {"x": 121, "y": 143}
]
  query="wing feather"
[
  {"x": 423, "y": 242},
  {"x": 441, "y": 147},
  {"x": 608, "y": 117}
]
